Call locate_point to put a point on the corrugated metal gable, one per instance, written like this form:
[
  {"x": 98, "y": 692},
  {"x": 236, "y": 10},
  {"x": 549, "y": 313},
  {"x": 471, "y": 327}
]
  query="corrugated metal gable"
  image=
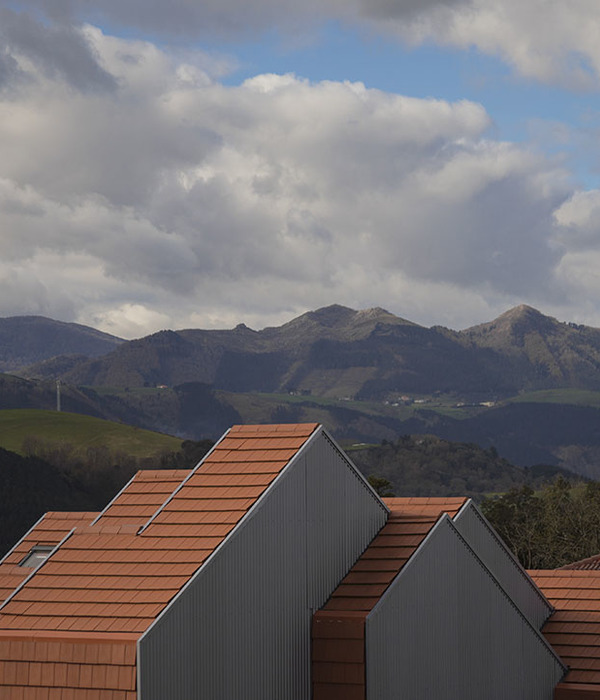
[
  {"x": 446, "y": 629},
  {"x": 505, "y": 567},
  {"x": 247, "y": 612}
]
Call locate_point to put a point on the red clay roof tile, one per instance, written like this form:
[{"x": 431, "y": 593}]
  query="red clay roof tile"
[
  {"x": 574, "y": 629},
  {"x": 112, "y": 577},
  {"x": 110, "y": 580}
]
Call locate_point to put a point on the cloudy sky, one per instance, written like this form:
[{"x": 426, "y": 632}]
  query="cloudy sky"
[{"x": 201, "y": 163}]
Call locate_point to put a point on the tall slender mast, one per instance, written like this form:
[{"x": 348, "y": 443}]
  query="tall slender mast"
[{"x": 58, "y": 395}]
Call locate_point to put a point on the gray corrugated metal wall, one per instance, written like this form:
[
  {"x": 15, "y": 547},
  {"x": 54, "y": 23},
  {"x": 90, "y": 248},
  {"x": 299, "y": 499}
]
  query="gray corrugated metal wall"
[
  {"x": 334, "y": 500},
  {"x": 446, "y": 630},
  {"x": 241, "y": 629},
  {"x": 511, "y": 576}
]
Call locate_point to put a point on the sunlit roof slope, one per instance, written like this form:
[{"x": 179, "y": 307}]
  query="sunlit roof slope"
[
  {"x": 46, "y": 533},
  {"x": 140, "y": 499},
  {"x": 118, "y": 574},
  {"x": 71, "y": 624}
]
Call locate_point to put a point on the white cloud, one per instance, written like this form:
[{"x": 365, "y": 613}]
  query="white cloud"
[
  {"x": 173, "y": 200},
  {"x": 547, "y": 40}
]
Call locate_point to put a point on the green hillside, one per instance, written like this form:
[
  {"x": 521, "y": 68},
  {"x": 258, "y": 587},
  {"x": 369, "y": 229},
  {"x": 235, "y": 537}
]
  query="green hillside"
[
  {"x": 574, "y": 397},
  {"x": 81, "y": 432}
]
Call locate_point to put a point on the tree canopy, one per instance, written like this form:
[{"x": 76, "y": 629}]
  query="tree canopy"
[{"x": 547, "y": 529}]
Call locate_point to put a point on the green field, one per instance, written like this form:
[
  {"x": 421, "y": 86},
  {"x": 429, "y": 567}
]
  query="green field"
[
  {"x": 81, "y": 432},
  {"x": 577, "y": 397},
  {"x": 445, "y": 406}
]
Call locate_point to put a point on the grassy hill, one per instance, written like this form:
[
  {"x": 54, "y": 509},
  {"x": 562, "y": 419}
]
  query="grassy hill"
[
  {"x": 67, "y": 461},
  {"x": 571, "y": 397},
  {"x": 82, "y": 432}
]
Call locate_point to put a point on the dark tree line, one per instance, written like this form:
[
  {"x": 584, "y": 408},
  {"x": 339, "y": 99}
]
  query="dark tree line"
[
  {"x": 56, "y": 476},
  {"x": 425, "y": 465},
  {"x": 557, "y": 525}
]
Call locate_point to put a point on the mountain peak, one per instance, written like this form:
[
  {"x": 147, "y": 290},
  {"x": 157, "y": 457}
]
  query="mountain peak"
[
  {"x": 523, "y": 311},
  {"x": 515, "y": 316},
  {"x": 512, "y": 328},
  {"x": 330, "y": 316},
  {"x": 342, "y": 318}
]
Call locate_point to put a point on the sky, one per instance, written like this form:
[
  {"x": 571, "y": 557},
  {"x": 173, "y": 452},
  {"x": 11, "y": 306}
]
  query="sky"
[{"x": 199, "y": 164}]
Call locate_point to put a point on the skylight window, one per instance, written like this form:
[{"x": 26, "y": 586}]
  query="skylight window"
[{"x": 37, "y": 554}]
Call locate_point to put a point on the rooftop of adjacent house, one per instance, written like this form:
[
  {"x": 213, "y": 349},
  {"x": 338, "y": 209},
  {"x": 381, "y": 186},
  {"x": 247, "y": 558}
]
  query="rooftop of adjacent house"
[
  {"x": 409, "y": 522},
  {"x": 574, "y": 628},
  {"x": 339, "y": 627},
  {"x": 587, "y": 564},
  {"x": 116, "y": 573}
]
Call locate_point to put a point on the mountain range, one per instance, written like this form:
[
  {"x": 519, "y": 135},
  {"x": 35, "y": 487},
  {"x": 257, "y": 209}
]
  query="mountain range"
[
  {"x": 524, "y": 383},
  {"x": 332, "y": 352}
]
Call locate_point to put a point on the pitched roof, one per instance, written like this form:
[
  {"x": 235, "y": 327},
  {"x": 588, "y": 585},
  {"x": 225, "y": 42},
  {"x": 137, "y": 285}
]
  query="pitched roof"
[
  {"x": 338, "y": 653},
  {"x": 139, "y": 500},
  {"x": 115, "y": 577},
  {"x": 574, "y": 628},
  {"x": 381, "y": 562},
  {"x": 587, "y": 564},
  {"x": 429, "y": 506},
  {"x": 71, "y": 629},
  {"x": 409, "y": 522},
  {"x": 50, "y": 529}
]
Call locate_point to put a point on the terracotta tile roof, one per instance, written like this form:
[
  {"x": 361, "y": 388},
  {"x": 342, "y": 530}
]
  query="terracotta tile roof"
[
  {"x": 107, "y": 578},
  {"x": 49, "y": 530},
  {"x": 67, "y": 667},
  {"x": 409, "y": 522},
  {"x": 11, "y": 576},
  {"x": 70, "y": 631},
  {"x": 588, "y": 564},
  {"x": 139, "y": 500},
  {"x": 383, "y": 559},
  {"x": 232, "y": 477},
  {"x": 339, "y": 627},
  {"x": 429, "y": 506},
  {"x": 338, "y": 648},
  {"x": 574, "y": 629}
]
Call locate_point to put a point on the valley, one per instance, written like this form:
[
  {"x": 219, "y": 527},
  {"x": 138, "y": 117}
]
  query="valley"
[{"x": 524, "y": 384}]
